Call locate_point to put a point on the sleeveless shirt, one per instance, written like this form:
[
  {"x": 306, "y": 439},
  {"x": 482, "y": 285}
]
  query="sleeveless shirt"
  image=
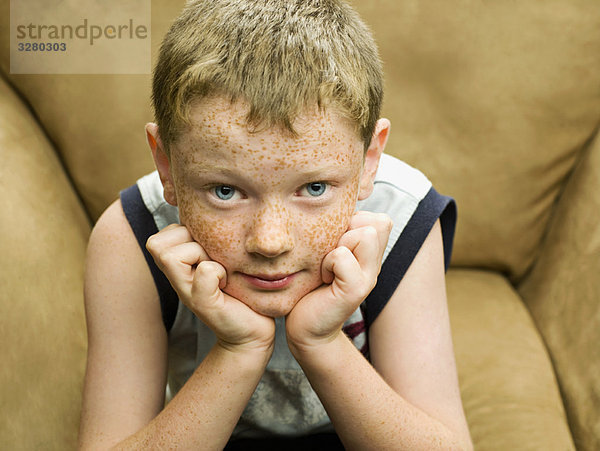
[{"x": 284, "y": 403}]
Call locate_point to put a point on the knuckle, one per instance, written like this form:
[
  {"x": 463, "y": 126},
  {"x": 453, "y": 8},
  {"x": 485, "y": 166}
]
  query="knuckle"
[
  {"x": 341, "y": 252},
  {"x": 168, "y": 257},
  {"x": 384, "y": 220},
  {"x": 370, "y": 231},
  {"x": 151, "y": 244},
  {"x": 389, "y": 223},
  {"x": 206, "y": 267}
]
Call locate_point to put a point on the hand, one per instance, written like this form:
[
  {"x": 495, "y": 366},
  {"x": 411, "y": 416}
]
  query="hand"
[
  {"x": 199, "y": 282},
  {"x": 349, "y": 273}
]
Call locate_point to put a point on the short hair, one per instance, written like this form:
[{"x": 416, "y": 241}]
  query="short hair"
[{"x": 280, "y": 56}]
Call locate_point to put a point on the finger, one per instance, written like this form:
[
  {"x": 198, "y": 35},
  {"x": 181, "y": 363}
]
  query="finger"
[
  {"x": 363, "y": 218},
  {"x": 182, "y": 255},
  {"x": 365, "y": 246},
  {"x": 178, "y": 262},
  {"x": 348, "y": 275},
  {"x": 209, "y": 278},
  {"x": 381, "y": 221},
  {"x": 341, "y": 262},
  {"x": 171, "y": 235}
]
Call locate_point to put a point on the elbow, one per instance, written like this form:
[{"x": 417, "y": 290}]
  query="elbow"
[
  {"x": 466, "y": 444},
  {"x": 462, "y": 440},
  {"x": 455, "y": 439}
]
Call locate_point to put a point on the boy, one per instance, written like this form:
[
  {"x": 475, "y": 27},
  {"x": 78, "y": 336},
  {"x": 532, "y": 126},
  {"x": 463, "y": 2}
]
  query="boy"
[{"x": 260, "y": 301}]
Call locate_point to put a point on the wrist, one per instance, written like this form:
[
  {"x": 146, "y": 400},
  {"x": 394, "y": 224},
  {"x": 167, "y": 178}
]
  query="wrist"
[
  {"x": 308, "y": 349},
  {"x": 254, "y": 351}
]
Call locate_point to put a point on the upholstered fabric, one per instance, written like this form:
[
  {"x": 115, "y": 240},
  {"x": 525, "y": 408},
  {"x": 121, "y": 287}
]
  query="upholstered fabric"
[
  {"x": 95, "y": 121},
  {"x": 563, "y": 294},
  {"x": 510, "y": 395},
  {"x": 43, "y": 235},
  {"x": 498, "y": 103},
  {"x": 493, "y": 101},
  {"x": 510, "y": 85}
]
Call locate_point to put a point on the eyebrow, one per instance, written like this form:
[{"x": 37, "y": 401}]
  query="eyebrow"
[
  {"x": 320, "y": 173},
  {"x": 199, "y": 170},
  {"x": 211, "y": 169}
]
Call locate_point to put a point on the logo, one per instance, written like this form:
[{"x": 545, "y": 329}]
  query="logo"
[{"x": 80, "y": 37}]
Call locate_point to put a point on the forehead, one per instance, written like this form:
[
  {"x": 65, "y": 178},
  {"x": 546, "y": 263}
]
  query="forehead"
[{"x": 219, "y": 131}]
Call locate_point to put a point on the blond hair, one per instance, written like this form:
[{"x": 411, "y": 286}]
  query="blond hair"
[{"x": 280, "y": 56}]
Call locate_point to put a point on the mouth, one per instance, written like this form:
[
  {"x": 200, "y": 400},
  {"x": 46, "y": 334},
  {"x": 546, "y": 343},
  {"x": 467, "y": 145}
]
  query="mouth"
[{"x": 269, "y": 281}]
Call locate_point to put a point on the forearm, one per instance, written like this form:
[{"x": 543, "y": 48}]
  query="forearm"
[
  {"x": 365, "y": 411},
  {"x": 205, "y": 411}
]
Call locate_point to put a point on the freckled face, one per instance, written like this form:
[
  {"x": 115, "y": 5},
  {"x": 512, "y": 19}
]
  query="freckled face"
[{"x": 265, "y": 205}]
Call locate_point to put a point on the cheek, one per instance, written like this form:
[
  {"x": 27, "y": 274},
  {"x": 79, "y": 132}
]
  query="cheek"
[
  {"x": 218, "y": 238},
  {"x": 323, "y": 234},
  {"x": 218, "y": 241}
]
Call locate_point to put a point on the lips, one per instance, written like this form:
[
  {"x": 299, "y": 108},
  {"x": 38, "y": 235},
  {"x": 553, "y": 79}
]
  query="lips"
[{"x": 269, "y": 281}]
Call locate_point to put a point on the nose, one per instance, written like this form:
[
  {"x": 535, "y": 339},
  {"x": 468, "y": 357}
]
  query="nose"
[{"x": 270, "y": 232}]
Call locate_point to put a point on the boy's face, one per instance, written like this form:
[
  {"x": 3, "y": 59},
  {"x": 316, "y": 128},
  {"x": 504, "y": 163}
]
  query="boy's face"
[{"x": 265, "y": 205}]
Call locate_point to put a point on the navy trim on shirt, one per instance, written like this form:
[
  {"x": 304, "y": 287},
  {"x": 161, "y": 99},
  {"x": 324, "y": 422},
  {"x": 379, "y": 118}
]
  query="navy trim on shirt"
[
  {"x": 431, "y": 207},
  {"x": 143, "y": 226}
]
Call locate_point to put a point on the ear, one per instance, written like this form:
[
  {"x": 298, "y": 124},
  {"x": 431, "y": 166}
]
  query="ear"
[
  {"x": 372, "y": 156},
  {"x": 162, "y": 162}
]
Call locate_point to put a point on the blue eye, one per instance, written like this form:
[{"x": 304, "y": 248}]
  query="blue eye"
[
  {"x": 224, "y": 192},
  {"x": 316, "y": 188}
]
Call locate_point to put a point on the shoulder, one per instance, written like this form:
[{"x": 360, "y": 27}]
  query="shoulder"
[
  {"x": 414, "y": 205},
  {"x": 115, "y": 263},
  {"x": 112, "y": 225},
  {"x": 112, "y": 234},
  {"x": 409, "y": 198},
  {"x": 402, "y": 192},
  {"x": 145, "y": 205},
  {"x": 111, "y": 231}
]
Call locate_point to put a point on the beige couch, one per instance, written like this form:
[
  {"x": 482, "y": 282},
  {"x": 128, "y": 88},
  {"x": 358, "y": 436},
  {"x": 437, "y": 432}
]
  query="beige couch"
[{"x": 498, "y": 102}]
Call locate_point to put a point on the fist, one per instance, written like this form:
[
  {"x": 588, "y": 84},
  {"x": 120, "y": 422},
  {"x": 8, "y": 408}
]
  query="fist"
[
  {"x": 349, "y": 273},
  {"x": 199, "y": 282}
]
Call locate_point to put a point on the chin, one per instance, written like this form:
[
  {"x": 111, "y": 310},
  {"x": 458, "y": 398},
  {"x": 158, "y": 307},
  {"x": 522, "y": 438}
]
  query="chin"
[
  {"x": 271, "y": 311},
  {"x": 272, "y": 306}
]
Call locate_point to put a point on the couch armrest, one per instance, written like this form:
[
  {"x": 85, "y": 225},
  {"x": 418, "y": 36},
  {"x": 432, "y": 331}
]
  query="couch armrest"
[
  {"x": 563, "y": 294},
  {"x": 43, "y": 236}
]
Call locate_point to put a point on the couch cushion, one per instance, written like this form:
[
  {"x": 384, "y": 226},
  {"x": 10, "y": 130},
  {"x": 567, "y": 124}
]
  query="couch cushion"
[
  {"x": 43, "y": 235},
  {"x": 510, "y": 395},
  {"x": 563, "y": 294}
]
